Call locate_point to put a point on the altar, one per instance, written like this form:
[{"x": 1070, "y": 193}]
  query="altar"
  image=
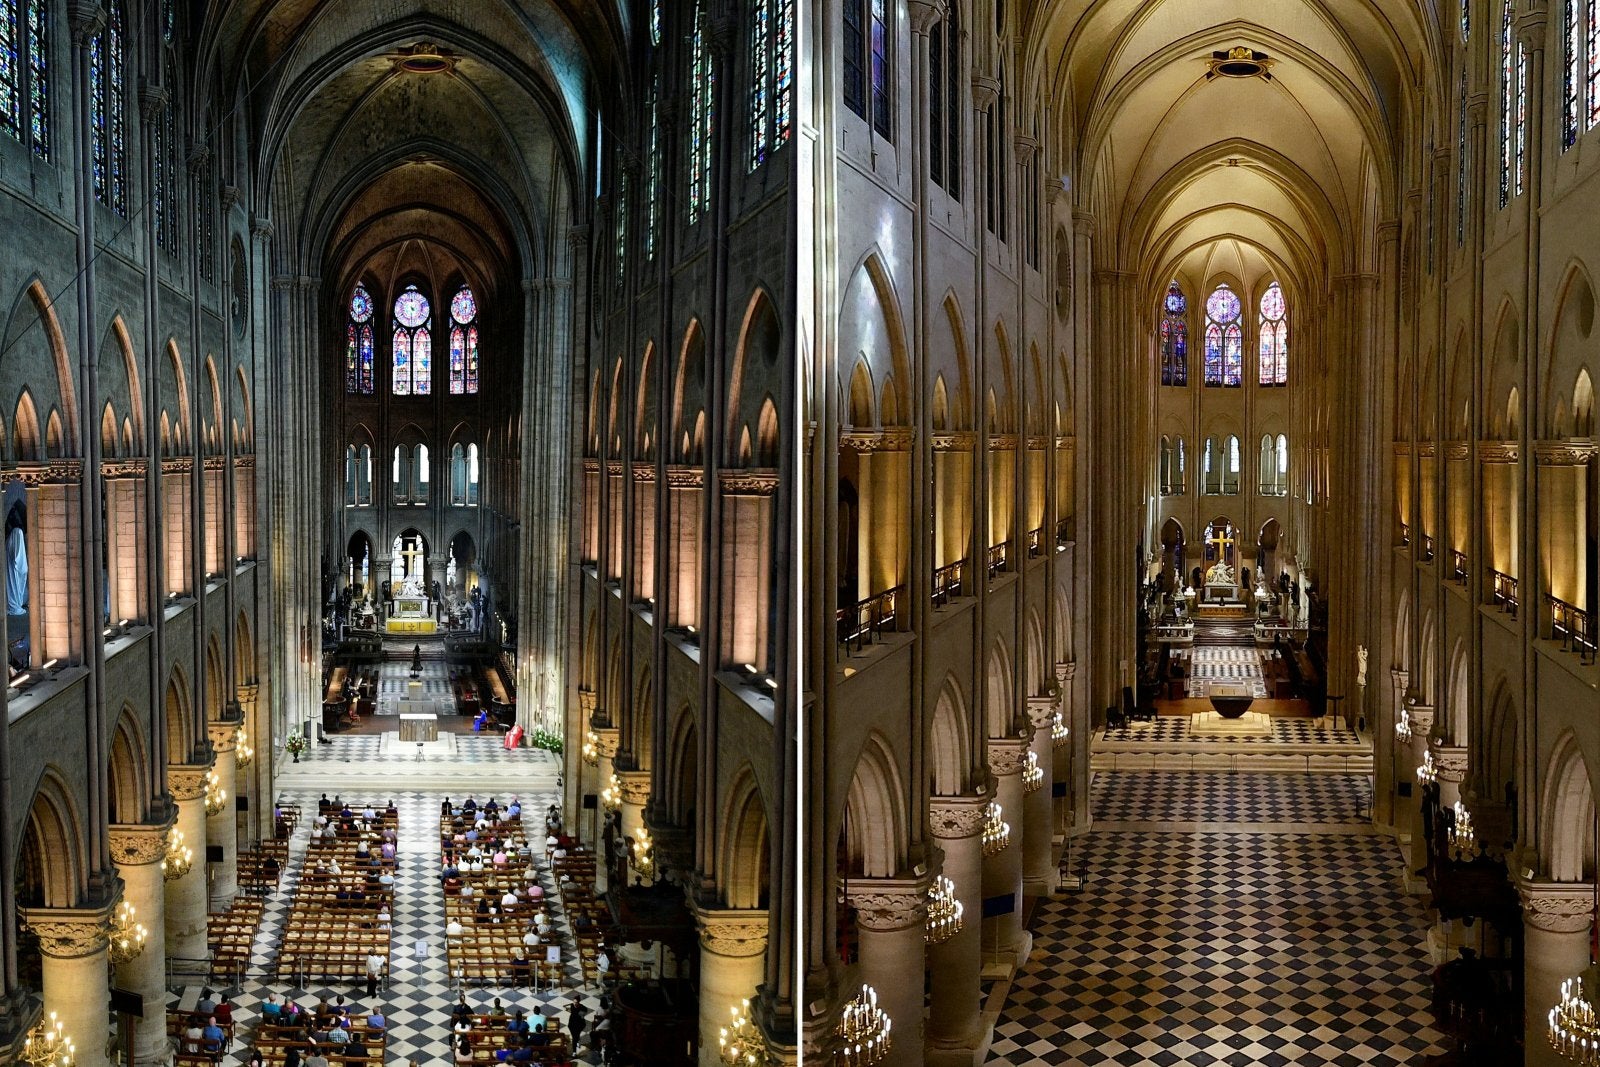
[{"x": 411, "y": 610}]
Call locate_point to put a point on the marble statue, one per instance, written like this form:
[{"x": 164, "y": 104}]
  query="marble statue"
[
  {"x": 1361, "y": 664},
  {"x": 1219, "y": 574}
]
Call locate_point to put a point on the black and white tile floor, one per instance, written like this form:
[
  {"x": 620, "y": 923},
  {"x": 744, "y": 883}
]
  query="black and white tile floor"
[
  {"x": 1242, "y": 797},
  {"x": 1227, "y": 948},
  {"x": 1228, "y": 664},
  {"x": 1175, "y": 729},
  {"x": 419, "y": 995}
]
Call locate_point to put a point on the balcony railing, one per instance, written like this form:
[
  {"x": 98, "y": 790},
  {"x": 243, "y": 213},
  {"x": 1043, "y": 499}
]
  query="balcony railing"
[
  {"x": 1458, "y": 566},
  {"x": 1573, "y": 626},
  {"x": 999, "y": 555},
  {"x": 1427, "y": 548},
  {"x": 949, "y": 581},
  {"x": 1035, "y": 543},
  {"x": 865, "y": 622},
  {"x": 1405, "y": 534},
  {"x": 1504, "y": 592},
  {"x": 1065, "y": 531}
]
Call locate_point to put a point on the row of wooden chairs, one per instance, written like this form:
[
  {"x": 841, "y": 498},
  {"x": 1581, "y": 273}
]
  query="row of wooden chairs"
[
  {"x": 232, "y": 933},
  {"x": 196, "y": 1052},
  {"x": 326, "y": 935},
  {"x": 261, "y": 869},
  {"x": 274, "y": 1040},
  {"x": 575, "y": 880},
  {"x": 489, "y": 1036}
]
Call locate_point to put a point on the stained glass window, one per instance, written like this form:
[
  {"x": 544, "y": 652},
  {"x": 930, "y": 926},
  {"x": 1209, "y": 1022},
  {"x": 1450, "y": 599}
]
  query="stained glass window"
[
  {"x": 1507, "y": 101},
  {"x": 1571, "y": 72},
  {"x": 1521, "y": 114},
  {"x": 655, "y": 22},
  {"x": 413, "y": 344},
  {"x": 760, "y": 78},
  {"x": 1174, "y": 337},
  {"x": 1461, "y": 159},
  {"x": 1224, "y": 355},
  {"x": 463, "y": 342},
  {"x": 1274, "y": 337},
  {"x": 1591, "y": 51},
  {"x": 1466, "y": 19},
  {"x": 700, "y": 120},
  {"x": 24, "y": 74},
  {"x": 622, "y": 228},
  {"x": 783, "y": 58},
  {"x": 854, "y": 50},
  {"x": 107, "y": 89},
  {"x": 653, "y": 200},
  {"x": 880, "y": 68},
  {"x": 164, "y": 191},
  {"x": 944, "y": 103},
  {"x": 358, "y": 375}
]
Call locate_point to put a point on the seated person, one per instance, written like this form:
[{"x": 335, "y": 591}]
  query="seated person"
[
  {"x": 514, "y": 809},
  {"x": 521, "y": 970},
  {"x": 212, "y": 1036},
  {"x": 454, "y": 928},
  {"x": 509, "y": 899},
  {"x": 338, "y": 1035},
  {"x": 376, "y": 1021},
  {"x": 355, "y": 1048},
  {"x": 536, "y": 1021},
  {"x": 463, "y": 1050},
  {"x": 518, "y": 1024},
  {"x": 271, "y": 1008},
  {"x": 207, "y": 1003},
  {"x": 539, "y": 1038},
  {"x": 193, "y": 1036},
  {"x": 523, "y": 1053},
  {"x": 224, "y": 1013}
]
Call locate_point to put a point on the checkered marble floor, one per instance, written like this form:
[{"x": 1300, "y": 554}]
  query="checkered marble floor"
[
  {"x": 1243, "y": 797},
  {"x": 1251, "y": 949},
  {"x": 394, "y": 681},
  {"x": 419, "y": 995},
  {"x": 470, "y": 748},
  {"x": 1225, "y": 663},
  {"x": 1174, "y": 729}
]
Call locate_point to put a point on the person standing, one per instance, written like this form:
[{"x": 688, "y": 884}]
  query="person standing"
[
  {"x": 374, "y": 973},
  {"x": 577, "y": 1018}
]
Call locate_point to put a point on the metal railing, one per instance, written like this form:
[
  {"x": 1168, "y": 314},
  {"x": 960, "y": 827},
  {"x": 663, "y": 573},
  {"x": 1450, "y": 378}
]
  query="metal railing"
[
  {"x": 999, "y": 555},
  {"x": 1504, "y": 591},
  {"x": 1065, "y": 530},
  {"x": 1458, "y": 566},
  {"x": 1035, "y": 542},
  {"x": 1427, "y": 548},
  {"x": 866, "y": 621},
  {"x": 949, "y": 581},
  {"x": 1573, "y": 626}
]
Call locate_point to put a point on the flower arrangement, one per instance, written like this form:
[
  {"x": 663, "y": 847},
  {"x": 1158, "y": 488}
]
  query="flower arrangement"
[
  {"x": 296, "y": 744},
  {"x": 547, "y": 740}
]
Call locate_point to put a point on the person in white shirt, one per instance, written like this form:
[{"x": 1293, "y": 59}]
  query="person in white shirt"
[
  {"x": 531, "y": 938},
  {"x": 466, "y": 891},
  {"x": 509, "y": 900},
  {"x": 454, "y": 929}
]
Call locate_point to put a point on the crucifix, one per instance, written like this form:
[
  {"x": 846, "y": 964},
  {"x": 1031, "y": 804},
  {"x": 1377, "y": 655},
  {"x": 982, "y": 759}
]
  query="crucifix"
[
  {"x": 1221, "y": 540},
  {"x": 410, "y": 549}
]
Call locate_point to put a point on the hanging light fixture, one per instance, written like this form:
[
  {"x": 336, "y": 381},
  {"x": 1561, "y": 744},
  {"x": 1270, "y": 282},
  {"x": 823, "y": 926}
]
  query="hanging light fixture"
[
  {"x": 591, "y": 748},
  {"x": 1574, "y": 1029},
  {"x": 1427, "y": 773},
  {"x": 1462, "y": 837},
  {"x": 644, "y": 858},
  {"x": 1059, "y": 730},
  {"x": 996, "y": 831},
  {"x": 47, "y": 1045},
  {"x": 1032, "y": 773},
  {"x": 179, "y": 858},
  {"x": 1402, "y": 727},
  {"x": 242, "y": 752},
  {"x": 863, "y": 1030},
  {"x": 216, "y": 796},
  {"x": 127, "y": 934},
  {"x": 740, "y": 1042},
  {"x": 611, "y": 795},
  {"x": 944, "y": 911}
]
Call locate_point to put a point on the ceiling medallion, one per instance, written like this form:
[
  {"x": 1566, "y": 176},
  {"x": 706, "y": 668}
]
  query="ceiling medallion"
[
  {"x": 1239, "y": 62},
  {"x": 424, "y": 59}
]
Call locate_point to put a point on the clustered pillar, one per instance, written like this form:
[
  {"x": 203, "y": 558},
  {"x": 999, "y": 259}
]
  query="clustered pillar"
[
  {"x": 73, "y": 955},
  {"x": 1556, "y": 919},
  {"x": 892, "y": 920},
  {"x": 955, "y": 1025},
  {"x": 222, "y": 829},
  {"x": 733, "y": 946},
  {"x": 186, "y": 896},
  {"x": 1005, "y": 941},
  {"x": 137, "y": 851}
]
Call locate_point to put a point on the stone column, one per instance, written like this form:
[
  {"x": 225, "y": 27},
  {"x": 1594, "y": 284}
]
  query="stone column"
[
  {"x": 1421, "y": 724},
  {"x": 1556, "y": 919},
  {"x": 186, "y": 896},
  {"x": 891, "y": 917},
  {"x": 635, "y": 795},
  {"x": 955, "y": 1025},
  {"x": 608, "y": 739},
  {"x": 1005, "y": 942},
  {"x": 733, "y": 946},
  {"x": 255, "y": 779},
  {"x": 137, "y": 852},
  {"x": 222, "y": 829},
  {"x": 1451, "y": 763},
  {"x": 1038, "y": 823},
  {"x": 72, "y": 945},
  {"x": 1062, "y": 755}
]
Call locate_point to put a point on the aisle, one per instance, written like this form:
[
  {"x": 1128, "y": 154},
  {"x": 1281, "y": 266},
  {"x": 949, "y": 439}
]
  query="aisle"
[{"x": 419, "y": 996}]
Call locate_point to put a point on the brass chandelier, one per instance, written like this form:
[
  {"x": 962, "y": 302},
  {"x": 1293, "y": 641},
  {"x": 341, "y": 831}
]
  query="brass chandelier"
[
  {"x": 863, "y": 1030},
  {"x": 944, "y": 911},
  {"x": 179, "y": 858},
  {"x": 996, "y": 831},
  {"x": 127, "y": 934},
  {"x": 47, "y": 1045}
]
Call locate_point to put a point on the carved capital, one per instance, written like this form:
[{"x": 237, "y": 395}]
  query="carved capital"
[
  {"x": 1499, "y": 451},
  {"x": 886, "y": 904},
  {"x": 187, "y": 782},
  {"x": 223, "y": 735},
  {"x": 1007, "y": 755},
  {"x": 893, "y": 439},
  {"x": 1042, "y": 711},
  {"x": 138, "y": 844},
  {"x": 1449, "y": 760},
  {"x": 607, "y": 738},
  {"x": 1563, "y": 453},
  {"x": 70, "y": 933},
  {"x": 153, "y": 100},
  {"x": 956, "y": 817},
  {"x": 1065, "y": 672},
  {"x": 586, "y": 701},
  {"x": 985, "y": 91},
  {"x": 247, "y": 693},
  {"x": 749, "y": 482},
  {"x": 924, "y": 13},
  {"x": 85, "y": 20},
  {"x": 1557, "y": 907},
  {"x": 635, "y": 787},
  {"x": 954, "y": 441},
  {"x": 1402, "y": 678},
  {"x": 1421, "y": 716},
  {"x": 732, "y": 933}
]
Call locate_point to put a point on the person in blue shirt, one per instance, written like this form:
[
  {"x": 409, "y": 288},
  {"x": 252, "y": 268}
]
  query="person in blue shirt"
[
  {"x": 213, "y": 1036},
  {"x": 518, "y": 1025},
  {"x": 537, "y": 1021}
]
